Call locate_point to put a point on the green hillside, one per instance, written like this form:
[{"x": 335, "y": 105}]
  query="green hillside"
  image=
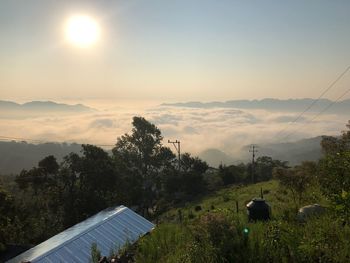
[
  {"x": 210, "y": 230},
  {"x": 225, "y": 199}
]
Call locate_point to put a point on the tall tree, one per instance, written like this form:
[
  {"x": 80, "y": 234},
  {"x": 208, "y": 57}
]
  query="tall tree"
[{"x": 144, "y": 160}]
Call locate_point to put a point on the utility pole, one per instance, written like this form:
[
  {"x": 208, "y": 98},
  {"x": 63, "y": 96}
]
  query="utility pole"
[
  {"x": 176, "y": 144},
  {"x": 253, "y": 150}
]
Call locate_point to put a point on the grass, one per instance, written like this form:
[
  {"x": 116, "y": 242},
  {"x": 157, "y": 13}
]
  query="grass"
[
  {"x": 225, "y": 199},
  {"x": 212, "y": 231}
]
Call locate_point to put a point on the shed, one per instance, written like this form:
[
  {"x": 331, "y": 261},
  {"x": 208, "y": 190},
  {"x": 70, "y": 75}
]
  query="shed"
[{"x": 110, "y": 229}]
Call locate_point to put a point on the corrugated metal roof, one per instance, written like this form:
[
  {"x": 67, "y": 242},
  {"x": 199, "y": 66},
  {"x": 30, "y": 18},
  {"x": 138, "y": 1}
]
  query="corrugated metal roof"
[{"x": 110, "y": 229}]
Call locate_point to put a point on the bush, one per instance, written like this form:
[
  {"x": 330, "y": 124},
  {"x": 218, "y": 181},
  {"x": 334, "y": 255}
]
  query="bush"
[
  {"x": 197, "y": 208},
  {"x": 162, "y": 243},
  {"x": 191, "y": 215},
  {"x": 222, "y": 234},
  {"x": 95, "y": 253},
  {"x": 265, "y": 192}
]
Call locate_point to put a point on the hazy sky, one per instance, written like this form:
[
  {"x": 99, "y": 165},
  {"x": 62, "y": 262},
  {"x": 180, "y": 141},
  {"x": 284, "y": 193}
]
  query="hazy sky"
[{"x": 175, "y": 50}]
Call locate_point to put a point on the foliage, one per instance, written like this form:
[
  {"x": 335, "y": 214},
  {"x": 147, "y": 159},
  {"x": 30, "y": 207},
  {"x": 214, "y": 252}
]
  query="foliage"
[
  {"x": 164, "y": 240},
  {"x": 6, "y": 208},
  {"x": 141, "y": 172},
  {"x": 297, "y": 180},
  {"x": 95, "y": 253},
  {"x": 218, "y": 236},
  {"x": 334, "y": 170},
  {"x": 143, "y": 157},
  {"x": 241, "y": 173},
  {"x": 233, "y": 173},
  {"x": 264, "y": 167}
]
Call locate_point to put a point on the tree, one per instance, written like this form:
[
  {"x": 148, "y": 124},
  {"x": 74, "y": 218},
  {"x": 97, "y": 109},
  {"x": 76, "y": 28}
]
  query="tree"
[
  {"x": 62, "y": 195},
  {"x": 87, "y": 184},
  {"x": 39, "y": 207},
  {"x": 333, "y": 145},
  {"x": 233, "y": 173},
  {"x": 143, "y": 159},
  {"x": 264, "y": 167},
  {"x": 297, "y": 180},
  {"x": 192, "y": 170},
  {"x": 334, "y": 169},
  {"x": 6, "y": 211},
  {"x": 39, "y": 178}
]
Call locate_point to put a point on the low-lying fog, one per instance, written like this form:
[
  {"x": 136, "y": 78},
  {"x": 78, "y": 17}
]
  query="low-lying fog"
[{"x": 227, "y": 129}]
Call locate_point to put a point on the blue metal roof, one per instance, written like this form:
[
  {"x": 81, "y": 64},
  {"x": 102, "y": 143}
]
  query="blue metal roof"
[{"x": 110, "y": 229}]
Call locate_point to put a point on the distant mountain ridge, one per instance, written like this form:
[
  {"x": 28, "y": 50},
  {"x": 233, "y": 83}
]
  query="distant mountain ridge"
[
  {"x": 15, "y": 156},
  {"x": 340, "y": 107},
  {"x": 293, "y": 152},
  {"x": 43, "y": 106}
]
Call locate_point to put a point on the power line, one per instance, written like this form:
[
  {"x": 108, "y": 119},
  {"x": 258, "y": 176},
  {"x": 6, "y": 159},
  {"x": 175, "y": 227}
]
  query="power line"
[
  {"x": 320, "y": 113},
  {"x": 315, "y": 100}
]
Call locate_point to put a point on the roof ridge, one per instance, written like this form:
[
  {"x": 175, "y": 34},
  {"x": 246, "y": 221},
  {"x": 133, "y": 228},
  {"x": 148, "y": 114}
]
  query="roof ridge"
[
  {"x": 119, "y": 209},
  {"x": 122, "y": 208}
]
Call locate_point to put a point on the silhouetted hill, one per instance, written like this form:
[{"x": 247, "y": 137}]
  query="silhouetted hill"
[
  {"x": 15, "y": 156},
  {"x": 293, "y": 152},
  {"x": 215, "y": 157},
  {"x": 341, "y": 107},
  {"x": 42, "y": 106}
]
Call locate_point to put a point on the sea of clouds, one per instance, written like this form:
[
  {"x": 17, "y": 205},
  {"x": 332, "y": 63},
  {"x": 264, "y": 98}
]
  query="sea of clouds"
[{"x": 198, "y": 129}]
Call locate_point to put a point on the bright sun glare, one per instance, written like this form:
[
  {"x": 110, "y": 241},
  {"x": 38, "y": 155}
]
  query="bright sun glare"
[{"x": 82, "y": 31}]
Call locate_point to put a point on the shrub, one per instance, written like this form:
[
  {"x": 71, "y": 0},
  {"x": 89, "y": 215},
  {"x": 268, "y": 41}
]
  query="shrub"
[
  {"x": 191, "y": 215},
  {"x": 224, "y": 236},
  {"x": 95, "y": 253},
  {"x": 162, "y": 243},
  {"x": 265, "y": 192},
  {"x": 197, "y": 208}
]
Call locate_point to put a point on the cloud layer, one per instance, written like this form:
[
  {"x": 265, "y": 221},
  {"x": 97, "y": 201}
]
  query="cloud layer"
[{"x": 226, "y": 129}]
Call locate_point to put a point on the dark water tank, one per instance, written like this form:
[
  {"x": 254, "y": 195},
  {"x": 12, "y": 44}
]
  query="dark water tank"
[{"x": 258, "y": 209}]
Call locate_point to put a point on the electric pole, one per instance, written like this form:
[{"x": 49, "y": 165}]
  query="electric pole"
[
  {"x": 253, "y": 150},
  {"x": 176, "y": 144}
]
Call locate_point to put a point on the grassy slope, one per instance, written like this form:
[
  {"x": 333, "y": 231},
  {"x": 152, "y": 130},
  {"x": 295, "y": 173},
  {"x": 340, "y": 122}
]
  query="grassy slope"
[
  {"x": 282, "y": 239},
  {"x": 226, "y": 198}
]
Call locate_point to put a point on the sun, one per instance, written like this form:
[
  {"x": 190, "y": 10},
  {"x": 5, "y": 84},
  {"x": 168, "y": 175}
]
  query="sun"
[{"x": 82, "y": 30}]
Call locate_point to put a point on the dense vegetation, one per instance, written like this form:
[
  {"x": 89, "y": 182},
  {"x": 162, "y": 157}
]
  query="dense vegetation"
[
  {"x": 197, "y": 220},
  {"x": 212, "y": 230}
]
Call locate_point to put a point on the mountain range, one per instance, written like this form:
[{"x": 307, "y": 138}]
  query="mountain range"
[
  {"x": 42, "y": 106},
  {"x": 296, "y": 105}
]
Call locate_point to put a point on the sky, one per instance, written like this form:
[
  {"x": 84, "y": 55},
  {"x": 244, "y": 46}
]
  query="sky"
[{"x": 179, "y": 50}]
